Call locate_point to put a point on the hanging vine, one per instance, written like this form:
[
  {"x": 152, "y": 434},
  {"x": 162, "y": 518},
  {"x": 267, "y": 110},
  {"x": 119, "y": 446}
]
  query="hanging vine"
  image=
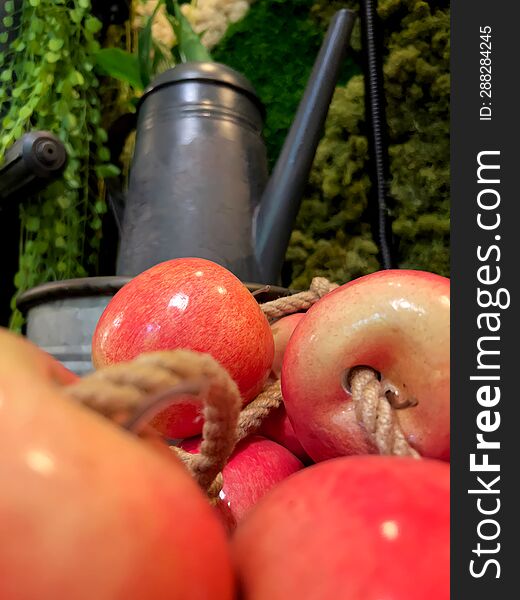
[{"x": 47, "y": 82}]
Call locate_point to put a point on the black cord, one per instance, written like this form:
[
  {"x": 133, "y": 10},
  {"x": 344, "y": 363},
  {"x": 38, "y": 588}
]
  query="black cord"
[{"x": 376, "y": 117}]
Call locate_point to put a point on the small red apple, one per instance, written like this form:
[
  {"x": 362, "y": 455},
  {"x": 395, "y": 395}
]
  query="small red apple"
[
  {"x": 87, "y": 511},
  {"x": 188, "y": 303},
  {"x": 355, "y": 528},
  {"x": 397, "y": 322},
  {"x": 256, "y": 465},
  {"x": 278, "y": 428},
  {"x": 282, "y": 331}
]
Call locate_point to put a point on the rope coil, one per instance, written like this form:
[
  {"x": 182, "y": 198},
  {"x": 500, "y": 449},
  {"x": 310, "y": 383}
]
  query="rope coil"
[
  {"x": 131, "y": 393},
  {"x": 376, "y": 414}
]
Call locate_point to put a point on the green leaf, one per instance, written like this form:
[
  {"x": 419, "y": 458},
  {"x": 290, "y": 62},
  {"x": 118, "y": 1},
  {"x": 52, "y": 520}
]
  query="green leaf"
[
  {"x": 106, "y": 171},
  {"x": 25, "y": 112},
  {"x": 4, "y": 37},
  {"x": 101, "y": 135},
  {"x": 71, "y": 121},
  {"x": 51, "y": 57},
  {"x": 162, "y": 58},
  {"x": 121, "y": 65},
  {"x": 60, "y": 228},
  {"x": 170, "y": 7},
  {"x": 84, "y": 3},
  {"x": 9, "y": 6},
  {"x": 32, "y": 224},
  {"x": 55, "y": 44},
  {"x": 76, "y": 15},
  {"x": 34, "y": 3},
  {"x": 189, "y": 45},
  {"x": 6, "y": 75},
  {"x": 8, "y": 22},
  {"x": 145, "y": 48},
  {"x": 76, "y": 78},
  {"x": 103, "y": 153},
  {"x": 63, "y": 202},
  {"x": 93, "y": 25}
]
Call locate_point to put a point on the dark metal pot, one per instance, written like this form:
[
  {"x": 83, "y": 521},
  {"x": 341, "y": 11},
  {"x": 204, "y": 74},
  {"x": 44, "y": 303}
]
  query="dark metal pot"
[
  {"x": 198, "y": 171},
  {"x": 61, "y": 316}
]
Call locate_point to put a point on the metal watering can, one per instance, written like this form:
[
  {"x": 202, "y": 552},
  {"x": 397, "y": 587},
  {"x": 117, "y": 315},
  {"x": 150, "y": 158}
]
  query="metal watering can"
[{"x": 199, "y": 178}]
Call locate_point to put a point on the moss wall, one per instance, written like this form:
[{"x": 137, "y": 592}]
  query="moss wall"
[{"x": 275, "y": 46}]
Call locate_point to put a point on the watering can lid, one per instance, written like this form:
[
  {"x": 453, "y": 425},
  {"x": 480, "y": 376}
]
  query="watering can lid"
[{"x": 204, "y": 71}]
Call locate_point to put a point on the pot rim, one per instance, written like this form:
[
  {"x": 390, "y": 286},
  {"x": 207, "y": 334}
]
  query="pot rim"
[
  {"x": 70, "y": 288},
  {"x": 107, "y": 286}
]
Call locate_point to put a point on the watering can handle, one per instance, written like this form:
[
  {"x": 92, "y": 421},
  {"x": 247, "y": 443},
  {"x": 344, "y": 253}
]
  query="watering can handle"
[{"x": 281, "y": 200}]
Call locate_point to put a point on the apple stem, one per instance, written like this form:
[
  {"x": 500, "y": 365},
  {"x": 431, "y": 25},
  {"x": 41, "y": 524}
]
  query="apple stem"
[{"x": 261, "y": 290}]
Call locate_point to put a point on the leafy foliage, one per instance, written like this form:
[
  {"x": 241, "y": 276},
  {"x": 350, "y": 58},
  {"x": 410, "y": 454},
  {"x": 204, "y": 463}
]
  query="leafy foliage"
[
  {"x": 138, "y": 69},
  {"x": 48, "y": 83},
  {"x": 275, "y": 46},
  {"x": 332, "y": 236}
]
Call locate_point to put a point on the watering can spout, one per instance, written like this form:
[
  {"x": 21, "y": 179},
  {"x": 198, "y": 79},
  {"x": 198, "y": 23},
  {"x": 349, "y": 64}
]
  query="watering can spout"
[{"x": 281, "y": 200}]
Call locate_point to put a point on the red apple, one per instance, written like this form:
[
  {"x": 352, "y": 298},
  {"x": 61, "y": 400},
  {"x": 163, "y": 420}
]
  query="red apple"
[
  {"x": 282, "y": 331},
  {"x": 397, "y": 322},
  {"x": 88, "y": 511},
  {"x": 256, "y": 465},
  {"x": 355, "y": 528},
  {"x": 188, "y": 303},
  {"x": 278, "y": 428}
]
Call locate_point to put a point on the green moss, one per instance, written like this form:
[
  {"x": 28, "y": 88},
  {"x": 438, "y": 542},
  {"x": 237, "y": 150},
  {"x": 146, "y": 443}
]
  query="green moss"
[
  {"x": 332, "y": 236},
  {"x": 275, "y": 46}
]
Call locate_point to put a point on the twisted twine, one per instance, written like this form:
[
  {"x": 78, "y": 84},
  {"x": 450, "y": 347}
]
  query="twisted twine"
[
  {"x": 287, "y": 305},
  {"x": 375, "y": 413}
]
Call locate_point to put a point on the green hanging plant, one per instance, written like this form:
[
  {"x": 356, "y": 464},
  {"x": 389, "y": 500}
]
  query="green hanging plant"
[
  {"x": 47, "y": 82},
  {"x": 151, "y": 58}
]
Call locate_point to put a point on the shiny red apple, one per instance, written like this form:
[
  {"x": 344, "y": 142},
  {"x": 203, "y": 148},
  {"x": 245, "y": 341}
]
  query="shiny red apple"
[
  {"x": 188, "y": 303},
  {"x": 256, "y": 465},
  {"x": 397, "y": 322},
  {"x": 88, "y": 511},
  {"x": 355, "y": 528},
  {"x": 282, "y": 331}
]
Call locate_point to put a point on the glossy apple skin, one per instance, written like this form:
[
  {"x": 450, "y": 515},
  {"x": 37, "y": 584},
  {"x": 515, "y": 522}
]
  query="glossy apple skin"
[
  {"x": 278, "y": 427},
  {"x": 256, "y": 465},
  {"x": 397, "y": 322},
  {"x": 188, "y": 303},
  {"x": 355, "y": 528},
  {"x": 88, "y": 511},
  {"x": 282, "y": 331}
]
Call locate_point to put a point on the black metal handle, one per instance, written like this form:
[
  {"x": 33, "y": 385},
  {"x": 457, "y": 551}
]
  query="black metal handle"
[
  {"x": 31, "y": 163},
  {"x": 282, "y": 197}
]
